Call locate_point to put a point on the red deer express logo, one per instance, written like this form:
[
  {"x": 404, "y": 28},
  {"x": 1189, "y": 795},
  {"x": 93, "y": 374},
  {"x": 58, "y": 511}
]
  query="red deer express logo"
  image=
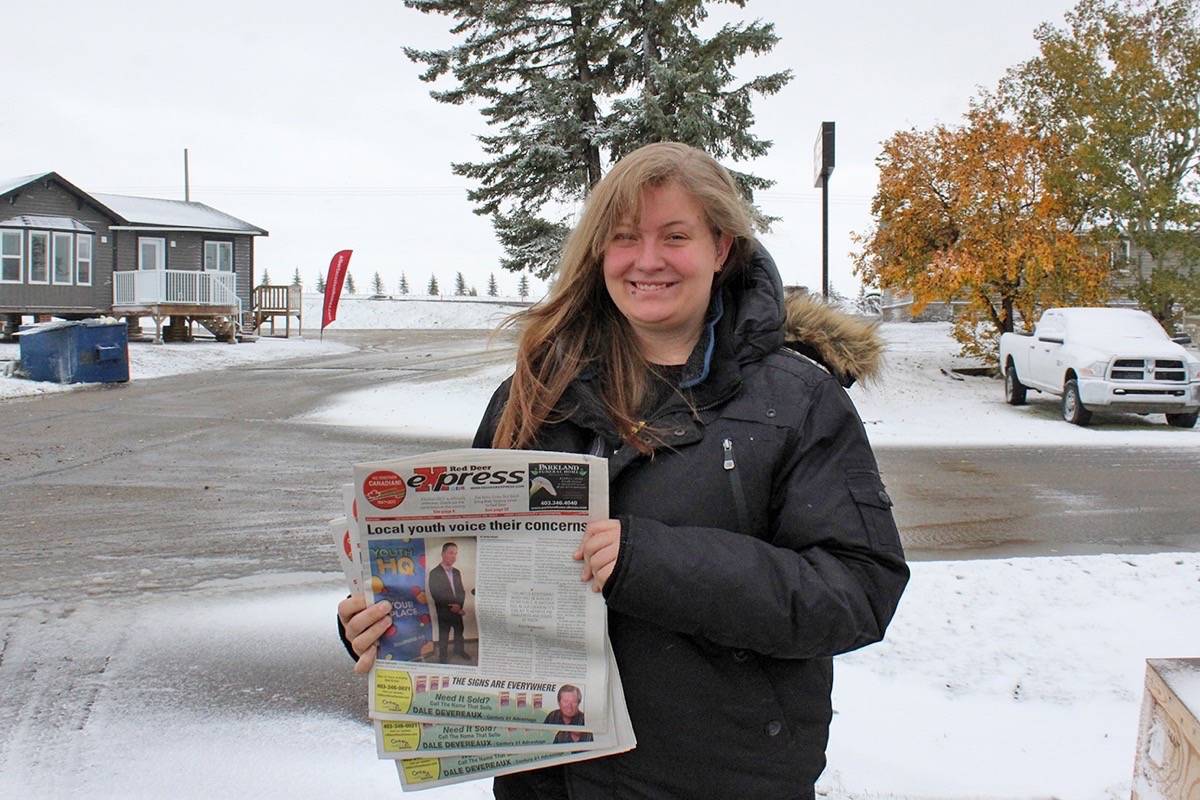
[{"x": 385, "y": 489}]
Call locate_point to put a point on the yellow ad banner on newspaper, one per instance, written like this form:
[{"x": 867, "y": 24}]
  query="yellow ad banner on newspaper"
[
  {"x": 398, "y": 736},
  {"x": 393, "y": 690},
  {"x": 422, "y": 770}
]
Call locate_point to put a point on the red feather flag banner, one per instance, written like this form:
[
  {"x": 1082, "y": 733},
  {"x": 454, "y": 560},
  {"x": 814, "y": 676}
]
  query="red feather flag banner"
[{"x": 333, "y": 287}]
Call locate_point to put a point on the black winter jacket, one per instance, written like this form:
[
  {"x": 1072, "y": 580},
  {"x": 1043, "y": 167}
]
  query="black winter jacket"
[{"x": 755, "y": 545}]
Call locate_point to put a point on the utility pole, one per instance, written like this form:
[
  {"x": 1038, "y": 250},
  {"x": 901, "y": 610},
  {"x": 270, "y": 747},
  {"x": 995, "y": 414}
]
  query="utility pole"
[
  {"x": 822, "y": 169},
  {"x": 187, "y": 186}
]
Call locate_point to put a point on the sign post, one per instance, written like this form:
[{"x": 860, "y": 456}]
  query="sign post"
[{"x": 822, "y": 169}]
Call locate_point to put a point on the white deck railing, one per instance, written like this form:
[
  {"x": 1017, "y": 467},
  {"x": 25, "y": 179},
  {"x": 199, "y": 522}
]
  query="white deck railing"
[{"x": 183, "y": 286}]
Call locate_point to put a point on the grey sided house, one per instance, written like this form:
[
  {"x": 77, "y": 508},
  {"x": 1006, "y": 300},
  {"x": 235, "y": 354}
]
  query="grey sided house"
[{"x": 74, "y": 254}]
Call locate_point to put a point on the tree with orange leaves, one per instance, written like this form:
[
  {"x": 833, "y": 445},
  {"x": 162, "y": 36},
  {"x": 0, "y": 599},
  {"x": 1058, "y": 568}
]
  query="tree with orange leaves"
[{"x": 966, "y": 213}]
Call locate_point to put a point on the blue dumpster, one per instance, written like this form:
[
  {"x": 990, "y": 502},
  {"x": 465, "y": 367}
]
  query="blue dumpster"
[{"x": 89, "y": 351}]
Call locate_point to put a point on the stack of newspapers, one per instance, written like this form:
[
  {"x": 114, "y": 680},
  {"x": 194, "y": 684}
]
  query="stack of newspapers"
[{"x": 497, "y": 659}]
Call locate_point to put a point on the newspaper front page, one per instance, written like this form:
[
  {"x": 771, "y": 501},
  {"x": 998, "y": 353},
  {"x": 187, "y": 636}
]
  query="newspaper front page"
[{"x": 497, "y": 658}]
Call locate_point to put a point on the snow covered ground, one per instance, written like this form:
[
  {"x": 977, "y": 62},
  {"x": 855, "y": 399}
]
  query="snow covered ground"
[
  {"x": 1013, "y": 678},
  {"x": 147, "y": 361},
  {"x": 356, "y": 312},
  {"x": 1003, "y": 679}
]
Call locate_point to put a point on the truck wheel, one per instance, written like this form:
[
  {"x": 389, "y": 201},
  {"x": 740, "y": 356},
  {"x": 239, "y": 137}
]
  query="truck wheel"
[
  {"x": 1072, "y": 407},
  {"x": 1182, "y": 420},
  {"x": 1014, "y": 390}
]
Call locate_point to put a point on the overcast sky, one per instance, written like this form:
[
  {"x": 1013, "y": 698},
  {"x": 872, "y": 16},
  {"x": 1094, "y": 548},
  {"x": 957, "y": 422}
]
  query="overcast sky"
[{"x": 306, "y": 119}]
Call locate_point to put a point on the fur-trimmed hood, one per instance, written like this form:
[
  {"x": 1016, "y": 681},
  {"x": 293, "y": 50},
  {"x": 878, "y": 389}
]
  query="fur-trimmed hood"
[{"x": 849, "y": 347}]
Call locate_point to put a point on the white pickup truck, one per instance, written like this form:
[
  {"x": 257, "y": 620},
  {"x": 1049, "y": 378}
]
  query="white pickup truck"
[{"x": 1103, "y": 359}]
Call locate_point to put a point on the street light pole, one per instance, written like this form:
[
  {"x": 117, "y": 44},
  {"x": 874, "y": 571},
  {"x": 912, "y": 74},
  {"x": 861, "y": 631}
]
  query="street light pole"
[
  {"x": 822, "y": 169},
  {"x": 825, "y": 237}
]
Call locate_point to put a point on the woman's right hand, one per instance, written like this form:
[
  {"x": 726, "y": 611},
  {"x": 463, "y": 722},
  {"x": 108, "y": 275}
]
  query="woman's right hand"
[{"x": 364, "y": 625}]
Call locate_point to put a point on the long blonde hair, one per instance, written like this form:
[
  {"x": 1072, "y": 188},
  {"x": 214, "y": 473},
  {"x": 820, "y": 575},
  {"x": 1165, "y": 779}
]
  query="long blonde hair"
[{"x": 578, "y": 326}]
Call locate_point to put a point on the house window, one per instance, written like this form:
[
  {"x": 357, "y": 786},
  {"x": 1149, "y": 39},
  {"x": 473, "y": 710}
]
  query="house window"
[
  {"x": 83, "y": 259},
  {"x": 218, "y": 256},
  {"x": 11, "y": 251},
  {"x": 39, "y": 257},
  {"x": 63, "y": 258}
]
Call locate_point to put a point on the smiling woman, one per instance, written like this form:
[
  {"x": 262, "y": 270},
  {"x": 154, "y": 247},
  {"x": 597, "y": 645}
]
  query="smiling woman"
[
  {"x": 751, "y": 537},
  {"x": 636, "y": 284}
]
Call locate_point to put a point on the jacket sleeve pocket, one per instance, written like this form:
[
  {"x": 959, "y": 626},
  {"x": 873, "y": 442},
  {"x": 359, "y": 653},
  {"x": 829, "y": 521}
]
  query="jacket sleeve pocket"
[{"x": 875, "y": 507}]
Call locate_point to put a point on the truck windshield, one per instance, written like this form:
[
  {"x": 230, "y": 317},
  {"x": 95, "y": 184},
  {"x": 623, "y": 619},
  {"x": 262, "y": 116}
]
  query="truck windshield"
[{"x": 1131, "y": 324}]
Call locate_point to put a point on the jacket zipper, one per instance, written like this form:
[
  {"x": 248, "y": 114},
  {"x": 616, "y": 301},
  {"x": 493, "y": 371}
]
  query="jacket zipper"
[{"x": 735, "y": 485}]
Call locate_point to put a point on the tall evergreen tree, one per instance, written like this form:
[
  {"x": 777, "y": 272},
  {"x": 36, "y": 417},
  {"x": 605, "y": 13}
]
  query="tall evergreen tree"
[
  {"x": 349, "y": 283},
  {"x": 523, "y": 286},
  {"x": 537, "y": 69},
  {"x": 320, "y": 283},
  {"x": 433, "y": 285},
  {"x": 492, "y": 289},
  {"x": 679, "y": 86},
  {"x": 568, "y": 85},
  {"x": 266, "y": 278},
  {"x": 460, "y": 285},
  {"x": 296, "y": 278},
  {"x": 403, "y": 283},
  {"x": 377, "y": 285}
]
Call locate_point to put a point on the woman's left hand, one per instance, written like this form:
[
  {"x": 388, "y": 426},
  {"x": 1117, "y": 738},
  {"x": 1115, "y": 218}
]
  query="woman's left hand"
[{"x": 598, "y": 551}]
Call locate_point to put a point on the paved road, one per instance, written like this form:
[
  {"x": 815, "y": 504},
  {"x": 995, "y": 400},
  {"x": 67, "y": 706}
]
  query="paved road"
[
  {"x": 213, "y": 476},
  {"x": 207, "y": 474},
  {"x": 1000, "y": 502}
]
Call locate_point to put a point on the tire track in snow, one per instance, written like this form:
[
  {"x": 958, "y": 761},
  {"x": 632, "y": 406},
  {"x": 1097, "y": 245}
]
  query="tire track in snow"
[{"x": 55, "y": 671}]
